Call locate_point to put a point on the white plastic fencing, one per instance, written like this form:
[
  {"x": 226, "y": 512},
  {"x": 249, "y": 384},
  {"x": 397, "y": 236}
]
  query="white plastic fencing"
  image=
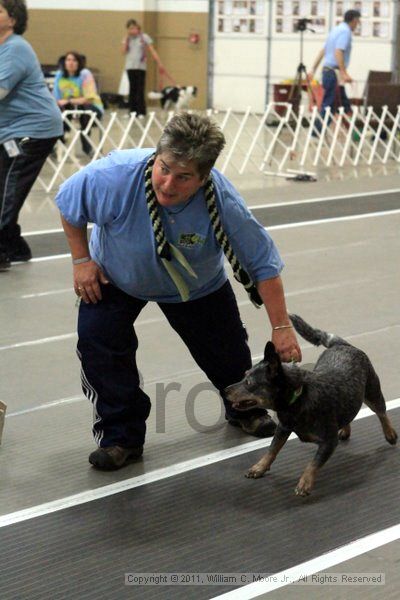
[{"x": 279, "y": 142}]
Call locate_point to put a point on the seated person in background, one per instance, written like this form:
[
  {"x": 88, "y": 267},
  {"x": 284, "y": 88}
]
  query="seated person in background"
[{"x": 75, "y": 89}]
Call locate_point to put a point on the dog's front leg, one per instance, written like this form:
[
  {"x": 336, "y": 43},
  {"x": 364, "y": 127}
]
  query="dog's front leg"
[
  {"x": 307, "y": 480},
  {"x": 264, "y": 464}
]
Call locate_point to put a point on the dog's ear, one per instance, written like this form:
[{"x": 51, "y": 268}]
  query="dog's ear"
[
  {"x": 272, "y": 360},
  {"x": 269, "y": 351}
]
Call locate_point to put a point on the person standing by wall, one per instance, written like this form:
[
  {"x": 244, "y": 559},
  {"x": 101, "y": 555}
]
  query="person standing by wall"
[
  {"x": 336, "y": 54},
  {"x": 30, "y": 124},
  {"x": 135, "y": 47}
]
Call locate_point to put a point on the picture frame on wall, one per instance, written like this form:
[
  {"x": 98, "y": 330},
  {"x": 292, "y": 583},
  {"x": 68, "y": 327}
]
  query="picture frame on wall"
[
  {"x": 375, "y": 17},
  {"x": 248, "y": 17},
  {"x": 240, "y": 17}
]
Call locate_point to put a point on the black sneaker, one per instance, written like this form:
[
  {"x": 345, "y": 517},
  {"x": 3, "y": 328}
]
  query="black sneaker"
[
  {"x": 114, "y": 457},
  {"x": 18, "y": 250},
  {"x": 258, "y": 425},
  {"x": 5, "y": 262}
]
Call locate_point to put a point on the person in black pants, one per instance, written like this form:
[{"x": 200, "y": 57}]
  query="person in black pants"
[
  {"x": 163, "y": 220},
  {"x": 135, "y": 46},
  {"x": 30, "y": 124}
]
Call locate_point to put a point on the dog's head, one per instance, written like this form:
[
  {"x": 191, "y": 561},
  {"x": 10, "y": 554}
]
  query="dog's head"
[
  {"x": 191, "y": 90},
  {"x": 260, "y": 384},
  {"x": 187, "y": 93}
]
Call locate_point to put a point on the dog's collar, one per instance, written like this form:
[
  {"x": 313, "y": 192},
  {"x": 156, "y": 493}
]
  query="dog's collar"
[{"x": 296, "y": 394}]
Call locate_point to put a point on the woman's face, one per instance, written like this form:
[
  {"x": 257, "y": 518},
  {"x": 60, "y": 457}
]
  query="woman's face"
[
  {"x": 71, "y": 64},
  {"x": 133, "y": 30}
]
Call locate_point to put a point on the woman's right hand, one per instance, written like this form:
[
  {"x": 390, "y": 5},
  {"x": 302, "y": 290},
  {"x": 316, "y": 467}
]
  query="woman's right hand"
[
  {"x": 87, "y": 279},
  {"x": 125, "y": 45}
]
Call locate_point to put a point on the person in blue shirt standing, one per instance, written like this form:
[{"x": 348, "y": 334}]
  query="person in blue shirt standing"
[
  {"x": 163, "y": 220},
  {"x": 30, "y": 124},
  {"x": 336, "y": 54}
]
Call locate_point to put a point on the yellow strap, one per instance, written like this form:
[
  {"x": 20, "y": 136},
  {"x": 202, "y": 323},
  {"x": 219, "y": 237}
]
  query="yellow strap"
[
  {"x": 177, "y": 254},
  {"x": 177, "y": 279}
]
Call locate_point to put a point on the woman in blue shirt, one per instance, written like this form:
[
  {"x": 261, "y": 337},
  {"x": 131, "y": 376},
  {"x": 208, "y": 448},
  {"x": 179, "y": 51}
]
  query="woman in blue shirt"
[
  {"x": 164, "y": 219},
  {"x": 30, "y": 125}
]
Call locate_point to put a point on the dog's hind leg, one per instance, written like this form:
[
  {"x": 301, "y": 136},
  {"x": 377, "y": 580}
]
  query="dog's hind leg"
[
  {"x": 376, "y": 402},
  {"x": 344, "y": 432},
  {"x": 264, "y": 464},
  {"x": 307, "y": 480}
]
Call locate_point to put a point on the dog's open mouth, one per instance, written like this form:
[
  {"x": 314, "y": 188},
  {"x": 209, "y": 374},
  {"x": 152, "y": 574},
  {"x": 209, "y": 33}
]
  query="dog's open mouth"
[{"x": 244, "y": 404}]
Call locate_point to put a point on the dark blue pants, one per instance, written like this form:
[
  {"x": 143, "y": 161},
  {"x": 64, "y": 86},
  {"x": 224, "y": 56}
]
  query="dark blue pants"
[
  {"x": 17, "y": 176},
  {"x": 334, "y": 96},
  {"x": 210, "y": 327}
]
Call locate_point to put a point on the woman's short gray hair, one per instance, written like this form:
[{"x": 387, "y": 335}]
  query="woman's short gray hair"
[{"x": 192, "y": 137}]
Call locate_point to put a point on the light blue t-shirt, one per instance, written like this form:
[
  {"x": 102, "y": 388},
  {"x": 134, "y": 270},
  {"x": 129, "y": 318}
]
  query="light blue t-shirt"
[
  {"x": 110, "y": 193},
  {"x": 338, "y": 39},
  {"x": 29, "y": 109}
]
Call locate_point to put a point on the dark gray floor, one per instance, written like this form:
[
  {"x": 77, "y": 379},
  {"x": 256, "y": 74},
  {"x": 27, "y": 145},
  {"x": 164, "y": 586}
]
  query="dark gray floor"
[
  {"x": 235, "y": 525},
  {"x": 340, "y": 275},
  {"x": 298, "y": 212}
]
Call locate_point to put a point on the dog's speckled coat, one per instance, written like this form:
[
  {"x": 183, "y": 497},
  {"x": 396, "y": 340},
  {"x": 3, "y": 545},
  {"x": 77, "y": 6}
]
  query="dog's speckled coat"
[{"x": 317, "y": 405}]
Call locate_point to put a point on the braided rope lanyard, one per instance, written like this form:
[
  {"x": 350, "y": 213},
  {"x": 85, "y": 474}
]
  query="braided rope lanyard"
[
  {"x": 166, "y": 250},
  {"x": 239, "y": 273},
  {"x": 161, "y": 241}
]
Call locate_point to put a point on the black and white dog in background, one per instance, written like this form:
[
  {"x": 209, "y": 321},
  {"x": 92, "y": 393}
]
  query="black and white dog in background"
[{"x": 174, "y": 98}]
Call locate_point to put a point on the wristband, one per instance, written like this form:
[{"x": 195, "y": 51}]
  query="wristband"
[
  {"x": 80, "y": 261},
  {"x": 282, "y": 327}
]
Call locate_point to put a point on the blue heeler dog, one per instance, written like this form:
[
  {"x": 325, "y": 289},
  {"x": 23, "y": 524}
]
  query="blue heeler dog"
[{"x": 317, "y": 405}]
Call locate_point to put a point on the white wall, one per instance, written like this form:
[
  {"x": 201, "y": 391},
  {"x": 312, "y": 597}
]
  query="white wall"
[
  {"x": 239, "y": 73},
  {"x": 241, "y": 61}
]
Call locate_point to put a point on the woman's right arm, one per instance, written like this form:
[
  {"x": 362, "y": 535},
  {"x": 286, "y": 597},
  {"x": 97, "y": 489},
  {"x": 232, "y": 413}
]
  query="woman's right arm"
[
  {"x": 125, "y": 45},
  {"x": 87, "y": 275}
]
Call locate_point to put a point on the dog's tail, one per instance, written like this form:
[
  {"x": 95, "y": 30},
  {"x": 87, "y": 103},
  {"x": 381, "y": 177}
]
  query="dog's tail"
[
  {"x": 155, "y": 95},
  {"x": 316, "y": 336}
]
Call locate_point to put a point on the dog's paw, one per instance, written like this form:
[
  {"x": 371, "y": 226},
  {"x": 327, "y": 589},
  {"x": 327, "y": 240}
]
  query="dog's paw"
[
  {"x": 344, "y": 433},
  {"x": 391, "y": 436},
  {"x": 305, "y": 485},
  {"x": 255, "y": 472},
  {"x": 302, "y": 490}
]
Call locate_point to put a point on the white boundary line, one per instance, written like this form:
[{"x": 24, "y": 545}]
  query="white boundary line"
[
  {"x": 325, "y": 198},
  {"x": 334, "y": 219},
  {"x": 180, "y": 375},
  {"x": 382, "y": 213},
  {"x": 49, "y": 231},
  {"x": 157, "y": 475},
  {"x": 325, "y": 561},
  {"x": 258, "y": 206},
  {"x": 45, "y": 258},
  {"x": 67, "y": 336}
]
